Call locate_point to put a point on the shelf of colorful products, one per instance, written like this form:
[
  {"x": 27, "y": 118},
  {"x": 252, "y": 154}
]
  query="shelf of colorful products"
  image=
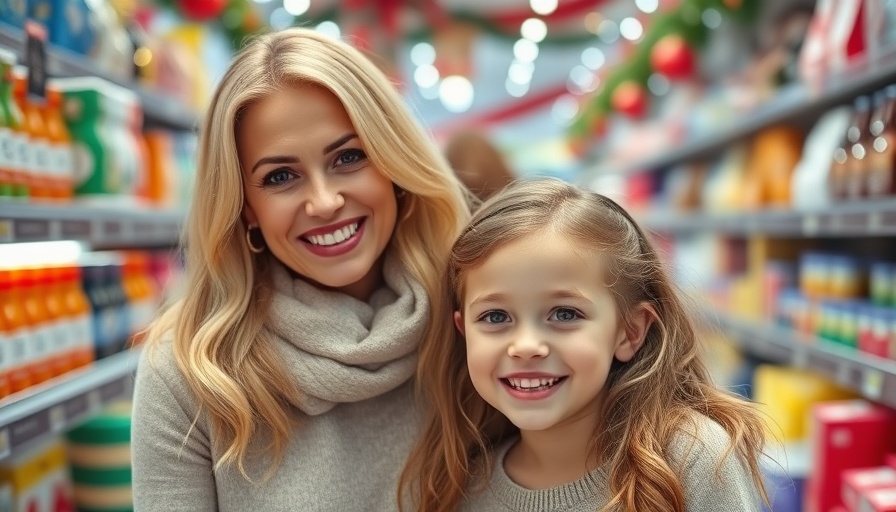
[
  {"x": 58, "y": 405},
  {"x": 99, "y": 226},
  {"x": 158, "y": 109},
  {"x": 864, "y": 218},
  {"x": 796, "y": 101},
  {"x": 873, "y": 377}
]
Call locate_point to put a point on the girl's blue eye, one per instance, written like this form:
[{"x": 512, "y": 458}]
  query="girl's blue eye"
[
  {"x": 494, "y": 317},
  {"x": 277, "y": 177},
  {"x": 350, "y": 157},
  {"x": 565, "y": 315}
]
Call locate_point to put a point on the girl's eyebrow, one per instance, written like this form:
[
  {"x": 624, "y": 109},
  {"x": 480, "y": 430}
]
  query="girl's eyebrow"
[{"x": 491, "y": 297}]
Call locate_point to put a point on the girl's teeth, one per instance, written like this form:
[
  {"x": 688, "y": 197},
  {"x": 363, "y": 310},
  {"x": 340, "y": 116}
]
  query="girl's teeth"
[{"x": 532, "y": 383}]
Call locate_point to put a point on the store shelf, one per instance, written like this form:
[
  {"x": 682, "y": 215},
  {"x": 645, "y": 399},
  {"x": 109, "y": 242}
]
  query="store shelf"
[
  {"x": 863, "y": 218},
  {"x": 53, "y": 407},
  {"x": 158, "y": 109},
  {"x": 796, "y": 103},
  {"x": 98, "y": 226},
  {"x": 873, "y": 377}
]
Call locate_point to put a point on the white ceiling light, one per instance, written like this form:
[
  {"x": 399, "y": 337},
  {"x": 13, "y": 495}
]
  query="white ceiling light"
[
  {"x": 631, "y": 29},
  {"x": 521, "y": 72},
  {"x": 328, "y": 28},
  {"x": 593, "y": 58},
  {"x": 647, "y": 6},
  {"x": 543, "y": 7},
  {"x": 525, "y": 50},
  {"x": 281, "y": 19},
  {"x": 534, "y": 30},
  {"x": 423, "y": 54},
  {"x": 456, "y": 93},
  {"x": 426, "y": 76},
  {"x": 296, "y": 7},
  {"x": 516, "y": 90}
]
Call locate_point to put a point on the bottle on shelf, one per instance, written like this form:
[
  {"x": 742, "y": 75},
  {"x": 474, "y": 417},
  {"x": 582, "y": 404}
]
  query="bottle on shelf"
[
  {"x": 882, "y": 153},
  {"x": 41, "y": 325},
  {"x": 61, "y": 156},
  {"x": 18, "y": 332},
  {"x": 60, "y": 357},
  {"x": 37, "y": 149},
  {"x": 13, "y": 175},
  {"x": 858, "y": 138},
  {"x": 79, "y": 312},
  {"x": 104, "y": 320}
]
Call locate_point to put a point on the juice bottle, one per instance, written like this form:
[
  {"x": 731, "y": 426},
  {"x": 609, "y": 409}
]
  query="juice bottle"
[
  {"x": 5, "y": 349},
  {"x": 13, "y": 177},
  {"x": 61, "y": 156},
  {"x": 882, "y": 155},
  {"x": 60, "y": 359},
  {"x": 38, "y": 148},
  {"x": 141, "y": 294},
  {"x": 41, "y": 327},
  {"x": 18, "y": 329},
  {"x": 80, "y": 314},
  {"x": 858, "y": 137}
]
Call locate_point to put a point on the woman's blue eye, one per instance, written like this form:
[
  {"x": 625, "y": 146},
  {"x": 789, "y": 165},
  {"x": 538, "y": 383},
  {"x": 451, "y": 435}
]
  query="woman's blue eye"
[
  {"x": 565, "y": 315},
  {"x": 277, "y": 177},
  {"x": 349, "y": 157},
  {"x": 494, "y": 317}
]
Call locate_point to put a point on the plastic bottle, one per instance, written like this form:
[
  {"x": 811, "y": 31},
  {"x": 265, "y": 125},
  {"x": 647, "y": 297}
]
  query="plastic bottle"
[
  {"x": 14, "y": 179},
  {"x": 61, "y": 356},
  {"x": 5, "y": 349},
  {"x": 42, "y": 329},
  {"x": 80, "y": 315},
  {"x": 38, "y": 147},
  {"x": 859, "y": 140},
  {"x": 882, "y": 153},
  {"x": 18, "y": 330},
  {"x": 61, "y": 156}
]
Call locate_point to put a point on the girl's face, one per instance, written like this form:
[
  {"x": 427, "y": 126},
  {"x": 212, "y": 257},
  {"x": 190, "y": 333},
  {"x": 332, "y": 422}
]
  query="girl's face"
[
  {"x": 541, "y": 332},
  {"x": 325, "y": 211}
]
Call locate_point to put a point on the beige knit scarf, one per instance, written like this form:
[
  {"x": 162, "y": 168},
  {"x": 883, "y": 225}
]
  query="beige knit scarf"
[{"x": 340, "y": 349}]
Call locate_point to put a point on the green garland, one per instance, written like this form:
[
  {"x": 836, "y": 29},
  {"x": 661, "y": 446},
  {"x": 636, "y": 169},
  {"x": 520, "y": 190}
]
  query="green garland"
[{"x": 686, "y": 20}]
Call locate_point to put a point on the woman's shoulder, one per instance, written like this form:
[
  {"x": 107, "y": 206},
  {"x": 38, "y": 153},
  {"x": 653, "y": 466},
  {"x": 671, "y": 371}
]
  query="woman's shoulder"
[{"x": 159, "y": 377}]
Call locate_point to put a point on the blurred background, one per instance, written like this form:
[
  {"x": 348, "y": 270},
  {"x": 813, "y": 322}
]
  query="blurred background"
[{"x": 755, "y": 140}]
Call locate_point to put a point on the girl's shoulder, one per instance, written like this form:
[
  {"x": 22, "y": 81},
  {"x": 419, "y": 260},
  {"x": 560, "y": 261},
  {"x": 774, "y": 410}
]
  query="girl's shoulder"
[{"x": 698, "y": 438}]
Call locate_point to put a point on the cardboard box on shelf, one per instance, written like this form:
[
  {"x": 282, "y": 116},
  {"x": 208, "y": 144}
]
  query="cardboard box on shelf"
[{"x": 857, "y": 482}]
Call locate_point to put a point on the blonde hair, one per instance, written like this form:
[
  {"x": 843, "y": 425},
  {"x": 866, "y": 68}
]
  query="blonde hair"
[
  {"x": 478, "y": 163},
  {"x": 648, "y": 400},
  {"x": 218, "y": 328}
]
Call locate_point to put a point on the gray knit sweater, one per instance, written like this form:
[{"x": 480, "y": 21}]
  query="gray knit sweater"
[
  {"x": 731, "y": 491},
  {"x": 352, "y": 361}
]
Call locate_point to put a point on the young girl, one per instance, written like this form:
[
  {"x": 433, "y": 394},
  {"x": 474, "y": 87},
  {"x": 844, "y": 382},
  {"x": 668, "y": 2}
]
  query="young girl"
[{"x": 575, "y": 383}]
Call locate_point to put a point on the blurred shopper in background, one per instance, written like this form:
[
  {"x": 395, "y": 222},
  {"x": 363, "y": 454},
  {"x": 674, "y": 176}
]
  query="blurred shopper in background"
[{"x": 479, "y": 164}]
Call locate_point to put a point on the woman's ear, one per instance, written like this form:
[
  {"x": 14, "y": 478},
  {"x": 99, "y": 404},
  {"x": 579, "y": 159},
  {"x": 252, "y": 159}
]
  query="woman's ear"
[
  {"x": 459, "y": 322},
  {"x": 632, "y": 333}
]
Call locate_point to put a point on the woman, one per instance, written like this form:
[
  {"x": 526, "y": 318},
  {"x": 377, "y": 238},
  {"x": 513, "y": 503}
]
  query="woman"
[{"x": 321, "y": 220}]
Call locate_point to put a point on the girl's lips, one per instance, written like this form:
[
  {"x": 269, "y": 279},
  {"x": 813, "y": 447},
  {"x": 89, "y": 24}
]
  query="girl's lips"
[{"x": 340, "y": 248}]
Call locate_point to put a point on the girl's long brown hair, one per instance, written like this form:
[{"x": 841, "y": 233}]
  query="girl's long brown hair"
[{"x": 649, "y": 400}]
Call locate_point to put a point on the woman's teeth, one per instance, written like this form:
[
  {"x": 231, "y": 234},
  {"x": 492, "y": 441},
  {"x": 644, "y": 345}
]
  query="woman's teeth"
[{"x": 340, "y": 235}]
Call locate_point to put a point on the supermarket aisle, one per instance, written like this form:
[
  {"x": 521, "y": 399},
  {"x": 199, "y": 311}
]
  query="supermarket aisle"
[{"x": 756, "y": 139}]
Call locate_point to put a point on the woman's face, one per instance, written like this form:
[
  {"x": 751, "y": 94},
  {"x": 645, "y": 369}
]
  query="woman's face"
[{"x": 324, "y": 209}]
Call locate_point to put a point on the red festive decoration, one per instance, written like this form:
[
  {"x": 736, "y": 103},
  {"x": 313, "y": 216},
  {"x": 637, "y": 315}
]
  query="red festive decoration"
[
  {"x": 673, "y": 57},
  {"x": 630, "y": 98},
  {"x": 201, "y": 10}
]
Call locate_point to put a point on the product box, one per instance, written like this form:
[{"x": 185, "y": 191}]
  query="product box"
[
  {"x": 890, "y": 460},
  {"x": 39, "y": 479},
  {"x": 878, "y": 500},
  {"x": 857, "y": 482},
  {"x": 845, "y": 435}
]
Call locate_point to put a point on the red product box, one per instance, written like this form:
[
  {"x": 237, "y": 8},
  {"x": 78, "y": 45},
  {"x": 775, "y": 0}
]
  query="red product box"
[
  {"x": 890, "y": 460},
  {"x": 878, "y": 500},
  {"x": 849, "y": 434},
  {"x": 859, "y": 481}
]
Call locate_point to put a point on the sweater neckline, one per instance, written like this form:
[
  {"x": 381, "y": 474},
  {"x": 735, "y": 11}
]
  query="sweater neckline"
[{"x": 562, "y": 497}]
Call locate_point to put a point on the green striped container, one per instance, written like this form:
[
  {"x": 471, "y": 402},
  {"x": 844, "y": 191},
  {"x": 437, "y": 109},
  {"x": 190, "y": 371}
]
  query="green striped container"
[{"x": 100, "y": 457}]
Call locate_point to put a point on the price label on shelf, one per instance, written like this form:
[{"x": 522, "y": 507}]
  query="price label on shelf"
[
  {"x": 5, "y": 447},
  {"x": 872, "y": 384},
  {"x": 57, "y": 418},
  {"x": 875, "y": 222},
  {"x": 800, "y": 357},
  {"x": 6, "y": 230},
  {"x": 810, "y": 225},
  {"x": 94, "y": 401}
]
